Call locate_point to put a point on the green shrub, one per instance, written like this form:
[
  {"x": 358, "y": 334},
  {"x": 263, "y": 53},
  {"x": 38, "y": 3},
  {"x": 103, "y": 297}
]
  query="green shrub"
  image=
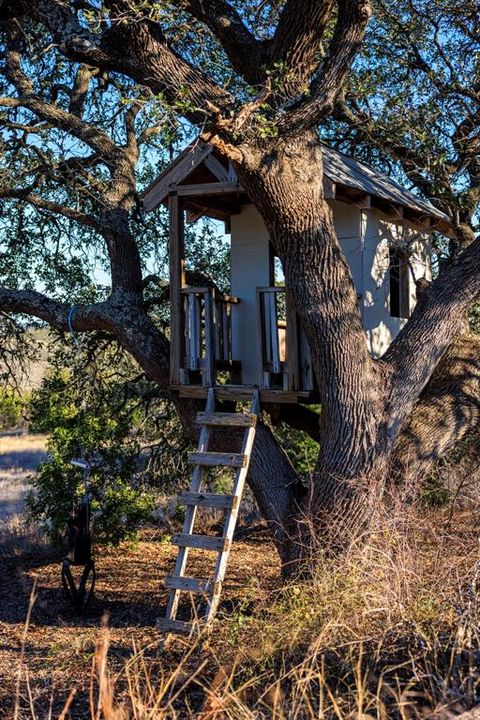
[
  {"x": 300, "y": 447},
  {"x": 91, "y": 420},
  {"x": 11, "y": 407}
]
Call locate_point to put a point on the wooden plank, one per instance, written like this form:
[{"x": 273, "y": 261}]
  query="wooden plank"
[
  {"x": 217, "y": 459},
  {"x": 244, "y": 392},
  {"x": 226, "y": 419},
  {"x": 293, "y": 347},
  {"x": 195, "y": 290},
  {"x": 275, "y": 345},
  {"x": 216, "y": 168},
  {"x": 215, "y": 188},
  {"x": 189, "y": 584},
  {"x": 201, "y": 499},
  {"x": 177, "y": 171},
  {"x": 166, "y": 625},
  {"x": 177, "y": 282},
  {"x": 201, "y": 542},
  {"x": 209, "y": 374}
]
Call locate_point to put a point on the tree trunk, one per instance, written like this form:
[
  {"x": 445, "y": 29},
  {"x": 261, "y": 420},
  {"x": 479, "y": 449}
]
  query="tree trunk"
[
  {"x": 446, "y": 412},
  {"x": 286, "y": 186}
]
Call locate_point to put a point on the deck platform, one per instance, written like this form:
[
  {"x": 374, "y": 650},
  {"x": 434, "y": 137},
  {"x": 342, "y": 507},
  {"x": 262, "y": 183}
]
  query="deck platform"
[{"x": 244, "y": 392}]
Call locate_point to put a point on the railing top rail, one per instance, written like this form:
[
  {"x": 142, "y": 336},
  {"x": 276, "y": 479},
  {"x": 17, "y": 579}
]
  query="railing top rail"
[
  {"x": 196, "y": 290},
  {"x": 230, "y": 299},
  {"x": 275, "y": 289}
]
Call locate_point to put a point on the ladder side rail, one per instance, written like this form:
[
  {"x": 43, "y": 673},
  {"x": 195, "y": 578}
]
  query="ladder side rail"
[
  {"x": 191, "y": 511},
  {"x": 232, "y": 515}
]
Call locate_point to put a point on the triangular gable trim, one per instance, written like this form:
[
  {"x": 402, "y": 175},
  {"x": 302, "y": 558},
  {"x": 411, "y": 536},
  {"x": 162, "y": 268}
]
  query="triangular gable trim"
[{"x": 175, "y": 173}]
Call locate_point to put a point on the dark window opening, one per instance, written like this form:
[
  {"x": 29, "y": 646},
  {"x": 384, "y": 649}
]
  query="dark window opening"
[{"x": 399, "y": 283}]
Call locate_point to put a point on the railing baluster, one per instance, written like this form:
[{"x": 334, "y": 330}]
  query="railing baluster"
[
  {"x": 193, "y": 332},
  {"x": 226, "y": 336},
  {"x": 209, "y": 370},
  {"x": 277, "y": 368},
  {"x": 208, "y": 334}
]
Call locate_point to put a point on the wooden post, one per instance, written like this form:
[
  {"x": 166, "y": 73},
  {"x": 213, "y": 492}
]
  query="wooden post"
[
  {"x": 209, "y": 374},
  {"x": 177, "y": 282},
  {"x": 275, "y": 346},
  {"x": 293, "y": 346}
]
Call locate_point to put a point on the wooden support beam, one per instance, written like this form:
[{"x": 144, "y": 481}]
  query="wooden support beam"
[
  {"x": 177, "y": 282},
  {"x": 215, "y": 188},
  {"x": 329, "y": 188},
  {"x": 244, "y": 392},
  {"x": 216, "y": 168}
]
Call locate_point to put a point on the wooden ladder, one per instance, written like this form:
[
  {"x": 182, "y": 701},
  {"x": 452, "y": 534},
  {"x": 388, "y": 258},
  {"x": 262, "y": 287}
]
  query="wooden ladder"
[{"x": 209, "y": 589}]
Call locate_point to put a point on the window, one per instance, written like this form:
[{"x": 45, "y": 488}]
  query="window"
[{"x": 399, "y": 283}]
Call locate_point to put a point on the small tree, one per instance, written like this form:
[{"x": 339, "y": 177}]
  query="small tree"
[{"x": 89, "y": 412}]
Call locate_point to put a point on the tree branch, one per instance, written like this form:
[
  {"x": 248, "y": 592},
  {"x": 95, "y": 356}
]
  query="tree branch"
[
  {"x": 91, "y": 135},
  {"x": 51, "y": 206},
  {"x": 297, "y": 42},
  {"x": 436, "y": 320},
  {"x": 325, "y": 87},
  {"x": 31, "y": 302},
  {"x": 246, "y": 54},
  {"x": 134, "y": 46}
]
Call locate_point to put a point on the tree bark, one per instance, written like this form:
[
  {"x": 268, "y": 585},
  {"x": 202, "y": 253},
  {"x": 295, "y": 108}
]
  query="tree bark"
[{"x": 447, "y": 411}]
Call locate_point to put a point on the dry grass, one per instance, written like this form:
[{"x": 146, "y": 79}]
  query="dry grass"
[
  {"x": 19, "y": 456},
  {"x": 391, "y": 632}
]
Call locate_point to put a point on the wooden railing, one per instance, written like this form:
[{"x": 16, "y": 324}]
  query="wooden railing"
[
  {"x": 207, "y": 343},
  {"x": 272, "y": 335},
  {"x": 285, "y": 360}
]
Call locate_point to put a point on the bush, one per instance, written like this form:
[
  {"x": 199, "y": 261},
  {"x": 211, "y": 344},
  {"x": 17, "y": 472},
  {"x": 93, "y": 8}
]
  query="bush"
[
  {"x": 11, "y": 407},
  {"x": 300, "y": 447},
  {"x": 89, "y": 419}
]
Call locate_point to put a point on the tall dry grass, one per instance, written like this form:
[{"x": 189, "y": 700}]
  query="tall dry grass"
[{"x": 391, "y": 631}]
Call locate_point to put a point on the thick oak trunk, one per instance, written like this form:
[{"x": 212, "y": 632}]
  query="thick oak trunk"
[{"x": 286, "y": 186}]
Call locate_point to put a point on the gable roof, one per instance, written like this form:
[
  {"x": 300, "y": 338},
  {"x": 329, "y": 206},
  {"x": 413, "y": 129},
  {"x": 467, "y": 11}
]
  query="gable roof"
[
  {"x": 347, "y": 174},
  {"x": 344, "y": 170}
]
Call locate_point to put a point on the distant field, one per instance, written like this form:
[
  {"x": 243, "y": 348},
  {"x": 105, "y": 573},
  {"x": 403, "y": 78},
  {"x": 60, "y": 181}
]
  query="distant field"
[{"x": 19, "y": 456}]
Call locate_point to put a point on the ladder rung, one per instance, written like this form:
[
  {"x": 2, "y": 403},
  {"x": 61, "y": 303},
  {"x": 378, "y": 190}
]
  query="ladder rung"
[
  {"x": 227, "y": 419},
  {"x": 209, "y": 500},
  {"x": 173, "y": 626},
  {"x": 214, "y": 458},
  {"x": 189, "y": 584},
  {"x": 202, "y": 542}
]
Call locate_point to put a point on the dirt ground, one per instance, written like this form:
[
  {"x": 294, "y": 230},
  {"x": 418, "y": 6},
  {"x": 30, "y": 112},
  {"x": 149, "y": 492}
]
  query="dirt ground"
[{"x": 59, "y": 645}]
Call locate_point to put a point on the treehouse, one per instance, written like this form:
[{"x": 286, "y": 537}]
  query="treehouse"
[{"x": 252, "y": 337}]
